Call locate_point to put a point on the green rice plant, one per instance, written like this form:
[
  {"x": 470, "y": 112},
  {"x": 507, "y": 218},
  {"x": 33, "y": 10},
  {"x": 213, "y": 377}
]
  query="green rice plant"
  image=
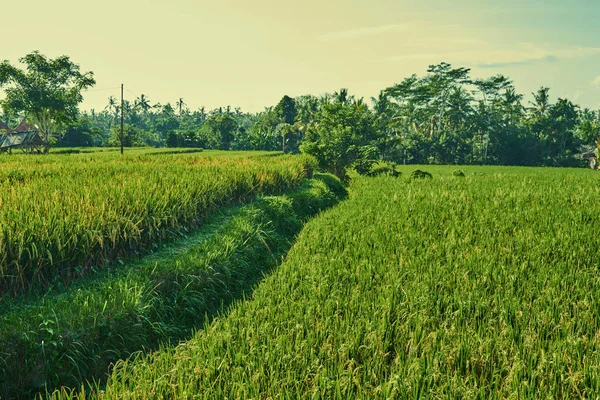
[
  {"x": 66, "y": 338},
  {"x": 480, "y": 287},
  {"x": 63, "y": 216}
]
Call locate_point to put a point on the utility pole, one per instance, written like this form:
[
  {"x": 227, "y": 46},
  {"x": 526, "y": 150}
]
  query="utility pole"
[{"x": 121, "y": 136}]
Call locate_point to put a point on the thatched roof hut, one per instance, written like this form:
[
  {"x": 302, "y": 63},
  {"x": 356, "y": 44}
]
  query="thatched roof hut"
[
  {"x": 25, "y": 137},
  {"x": 4, "y": 127},
  {"x": 24, "y": 127}
]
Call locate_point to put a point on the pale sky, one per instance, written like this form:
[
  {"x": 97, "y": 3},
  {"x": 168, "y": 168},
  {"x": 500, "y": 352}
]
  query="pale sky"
[{"x": 249, "y": 53}]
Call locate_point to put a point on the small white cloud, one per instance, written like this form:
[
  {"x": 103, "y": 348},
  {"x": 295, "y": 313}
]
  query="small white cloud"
[
  {"x": 361, "y": 32},
  {"x": 596, "y": 81}
]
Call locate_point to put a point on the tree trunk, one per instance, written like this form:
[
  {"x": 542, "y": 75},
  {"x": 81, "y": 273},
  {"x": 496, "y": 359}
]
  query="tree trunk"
[{"x": 47, "y": 143}]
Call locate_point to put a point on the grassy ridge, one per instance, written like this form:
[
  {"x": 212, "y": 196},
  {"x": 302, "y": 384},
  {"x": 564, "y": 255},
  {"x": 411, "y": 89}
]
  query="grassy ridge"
[
  {"x": 483, "y": 286},
  {"x": 61, "y": 215},
  {"x": 64, "y": 339}
]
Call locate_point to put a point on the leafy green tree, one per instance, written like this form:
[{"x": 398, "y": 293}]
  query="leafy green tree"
[
  {"x": 437, "y": 107},
  {"x": 562, "y": 143},
  {"x": 385, "y": 112},
  {"x": 133, "y": 137},
  {"x": 344, "y": 136},
  {"x": 286, "y": 110},
  {"x": 441, "y": 81},
  {"x": 164, "y": 121},
  {"x": 588, "y": 129},
  {"x": 489, "y": 115},
  {"x": 263, "y": 133},
  {"x": 173, "y": 139},
  {"x": 218, "y": 132},
  {"x": 226, "y": 126},
  {"x": 208, "y": 137},
  {"x": 47, "y": 90},
  {"x": 82, "y": 133}
]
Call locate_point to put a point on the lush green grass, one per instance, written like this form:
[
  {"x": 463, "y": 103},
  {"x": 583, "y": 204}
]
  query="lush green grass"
[
  {"x": 63, "y": 215},
  {"x": 65, "y": 338},
  {"x": 482, "y": 286}
]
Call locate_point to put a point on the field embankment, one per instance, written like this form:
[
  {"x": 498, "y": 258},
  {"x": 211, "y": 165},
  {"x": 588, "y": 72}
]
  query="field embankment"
[
  {"x": 64, "y": 216},
  {"x": 482, "y": 286},
  {"x": 67, "y": 338}
]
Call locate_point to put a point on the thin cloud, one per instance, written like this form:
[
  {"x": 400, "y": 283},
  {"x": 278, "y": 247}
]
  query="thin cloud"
[
  {"x": 596, "y": 81},
  {"x": 524, "y": 54},
  {"x": 525, "y": 61},
  {"x": 535, "y": 56},
  {"x": 362, "y": 32},
  {"x": 447, "y": 42}
]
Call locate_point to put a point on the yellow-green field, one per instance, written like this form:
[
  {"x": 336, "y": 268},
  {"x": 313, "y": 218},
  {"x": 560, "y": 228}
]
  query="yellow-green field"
[
  {"x": 68, "y": 311},
  {"x": 63, "y": 215},
  {"x": 482, "y": 286}
]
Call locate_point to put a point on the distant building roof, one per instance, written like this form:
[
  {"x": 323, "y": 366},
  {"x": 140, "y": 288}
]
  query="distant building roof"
[
  {"x": 24, "y": 136},
  {"x": 24, "y": 127},
  {"x": 5, "y": 127},
  {"x": 20, "y": 139}
]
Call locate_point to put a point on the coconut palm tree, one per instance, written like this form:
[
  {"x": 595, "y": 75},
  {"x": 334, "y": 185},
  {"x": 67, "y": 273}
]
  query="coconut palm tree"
[
  {"x": 142, "y": 103},
  {"x": 541, "y": 103},
  {"x": 180, "y": 105},
  {"x": 113, "y": 109}
]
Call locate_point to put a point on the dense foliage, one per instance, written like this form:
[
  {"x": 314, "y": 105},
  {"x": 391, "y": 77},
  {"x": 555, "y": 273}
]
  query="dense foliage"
[
  {"x": 47, "y": 90},
  {"x": 480, "y": 284},
  {"x": 444, "y": 117}
]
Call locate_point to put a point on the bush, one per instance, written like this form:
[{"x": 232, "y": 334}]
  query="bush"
[{"x": 418, "y": 174}]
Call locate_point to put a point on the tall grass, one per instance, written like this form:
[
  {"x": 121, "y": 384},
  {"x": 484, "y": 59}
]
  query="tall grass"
[
  {"x": 63, "y": 215},
  {"x": 483, "y": 286},
  {"x": 66, "y": 338}
]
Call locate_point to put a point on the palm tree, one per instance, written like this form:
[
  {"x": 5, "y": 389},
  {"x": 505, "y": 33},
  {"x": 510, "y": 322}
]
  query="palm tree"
[
  {"x": 112, "y": 107},
  {"x": 143, "y": 103},
  {"x": 541, "y": 102},
  {"x": 127, "y": 108},
  {"x": 112, "y": 103},
  {"x": 180, "y": 105},
  {"x": 342, "y": 96},
  {"x": 203, "y": 114},
  {"x": 588, "y": 129}
]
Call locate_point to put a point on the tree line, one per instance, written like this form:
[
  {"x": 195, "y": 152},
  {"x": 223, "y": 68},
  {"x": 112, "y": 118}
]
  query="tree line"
[{"x": 444, "y": 116}]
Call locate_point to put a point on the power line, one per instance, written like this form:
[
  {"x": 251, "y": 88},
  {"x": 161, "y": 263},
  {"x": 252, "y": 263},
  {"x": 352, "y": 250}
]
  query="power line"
[{"x": 102, "y": 90}]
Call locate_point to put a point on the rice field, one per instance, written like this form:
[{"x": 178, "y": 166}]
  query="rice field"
[
  {"x": 67, "y": 337},
  {"x": 477, "y": 286},
  {"x": 64, "y": 216}
]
